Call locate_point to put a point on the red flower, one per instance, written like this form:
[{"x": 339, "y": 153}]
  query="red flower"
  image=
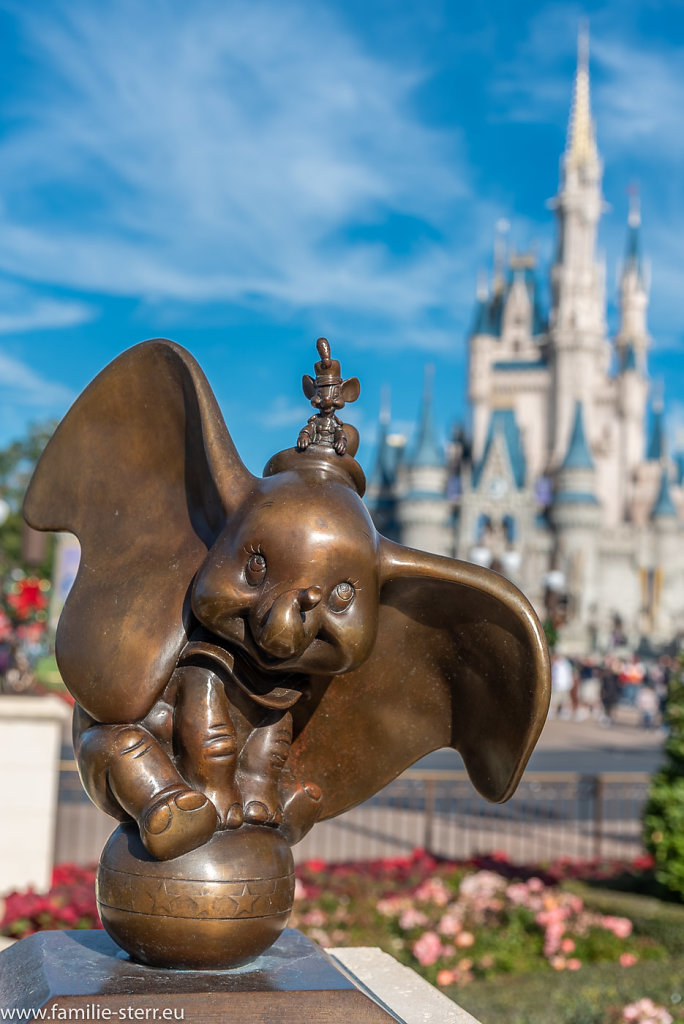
[
  {"x": 316, "y": 866},
  {"x": 28, "y": 597}
]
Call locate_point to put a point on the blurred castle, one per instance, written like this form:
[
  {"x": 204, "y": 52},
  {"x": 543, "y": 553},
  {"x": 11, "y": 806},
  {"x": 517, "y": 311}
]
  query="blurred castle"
[{"x": 565, "y": 484}]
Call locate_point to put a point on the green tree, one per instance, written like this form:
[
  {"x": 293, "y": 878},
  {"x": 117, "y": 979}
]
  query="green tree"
[
  {"x": 664, "y": 813},
  {"x": 17, "y": 461}
]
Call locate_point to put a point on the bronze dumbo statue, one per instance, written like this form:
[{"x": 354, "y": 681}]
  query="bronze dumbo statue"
[{"x": 248, "y": 655}]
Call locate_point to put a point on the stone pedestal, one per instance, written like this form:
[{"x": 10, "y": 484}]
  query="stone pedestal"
[
  {"x": 30, "y": 739},
  {"x": 295, "y": 982},
  {"x": 411, "y": 997}
]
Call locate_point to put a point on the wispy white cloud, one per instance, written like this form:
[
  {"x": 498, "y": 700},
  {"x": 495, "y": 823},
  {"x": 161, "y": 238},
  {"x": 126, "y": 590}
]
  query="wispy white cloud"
[
  {"x": 22, "y": 385},
  {"x": 24, "y": 309},
  {"x": 284, "y": 412},
  {"x": 641, "y": 97},
  {"x": 219, "y": 152},
  {"x": 42, "y": 314}
]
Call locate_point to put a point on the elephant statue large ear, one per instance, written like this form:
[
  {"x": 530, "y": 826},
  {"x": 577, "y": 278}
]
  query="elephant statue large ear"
[
  {"x": 460, "y": 660},
  {"x": 143, "y": 471}
]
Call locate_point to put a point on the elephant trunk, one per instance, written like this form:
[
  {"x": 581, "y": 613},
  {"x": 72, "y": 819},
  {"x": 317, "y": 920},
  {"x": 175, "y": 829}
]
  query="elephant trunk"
[{"x": 286, "y": 630}]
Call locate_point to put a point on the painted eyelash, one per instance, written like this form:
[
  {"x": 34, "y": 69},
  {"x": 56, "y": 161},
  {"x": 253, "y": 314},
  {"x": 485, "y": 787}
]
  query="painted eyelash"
[{"x": 251, "y": 550}]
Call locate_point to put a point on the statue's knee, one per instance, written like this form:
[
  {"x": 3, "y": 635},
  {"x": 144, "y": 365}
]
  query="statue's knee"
[
  {"x": 102, "y": 745},
  {"x": 130, "y": 740}
]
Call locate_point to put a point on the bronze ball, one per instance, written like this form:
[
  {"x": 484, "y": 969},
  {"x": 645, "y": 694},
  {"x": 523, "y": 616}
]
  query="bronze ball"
[{"x": 211, "y": 909}]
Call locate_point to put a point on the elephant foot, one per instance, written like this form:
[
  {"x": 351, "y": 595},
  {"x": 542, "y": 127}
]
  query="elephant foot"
[
  {"x": 235, "y": 816},
  {"x": 259, "y": 813},
  {"x": 228, "y": 804},
  {"x": 176, "y": 823},
  {"x": 301, "y": 809}
]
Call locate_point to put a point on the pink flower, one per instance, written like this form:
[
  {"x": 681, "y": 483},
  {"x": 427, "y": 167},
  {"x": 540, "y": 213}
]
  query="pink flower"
[
  {"x": 389, "y": 907},
  {"x": 558, "y": 963},
  {"x": 567, "y": 946},
  {"x": 450, "y": 924},
  {"x": 315, "y": 917},
  {"x": 427, "y": 949},
  {"x": 628, "y": 959},
  {"x": 444, "y": 978},
  {"x": 645, "y": 1011},
  {"x": 464, "y": 939},
  {"x": 482, "y": 884},
  {"x": 574, "y": 964},
  {"x": 433, "y": 890},
  {"x": 412, "y": 918},
  {"x": 518, "y": 894},
  {"x": 619, "y": 926},
  {"x": 319, "y": 936}
]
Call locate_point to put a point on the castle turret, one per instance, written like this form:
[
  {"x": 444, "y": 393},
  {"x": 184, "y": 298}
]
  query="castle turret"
[
  {"x": 381, "y": 493},
  {"x": 578, "y": 349},
  {"x": 631, "y": 345},
  {"x": 656, "y": 439},
  {"x": 664, "y": 511},
  {"x": 576, "y": 514},
  {"x": 632, "y": 341},
  {"x": 423, "y": 512},
  {"x": 664, "y": 588}
]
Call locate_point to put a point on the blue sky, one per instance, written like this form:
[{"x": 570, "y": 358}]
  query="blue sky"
[{"x": 245, "y": 176}]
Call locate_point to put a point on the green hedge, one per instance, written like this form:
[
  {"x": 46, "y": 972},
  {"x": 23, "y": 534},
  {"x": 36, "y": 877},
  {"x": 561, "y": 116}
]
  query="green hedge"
[
  {"x": 663, "y": 922},
  {"x": 663, "y": 824},
  {"x": 593, "y": 995}
]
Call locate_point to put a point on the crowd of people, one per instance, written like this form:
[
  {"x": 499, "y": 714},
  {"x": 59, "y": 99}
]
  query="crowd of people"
[{"x": 596, "y": 685}]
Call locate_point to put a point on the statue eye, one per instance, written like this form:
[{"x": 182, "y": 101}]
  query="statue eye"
[
  {"x": 256, "y": 569},
  {"x": 341, "y": 597}
]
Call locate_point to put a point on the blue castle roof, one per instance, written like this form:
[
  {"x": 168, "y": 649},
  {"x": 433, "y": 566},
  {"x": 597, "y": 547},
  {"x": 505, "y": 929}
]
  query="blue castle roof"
[
  {"x": 633, "y": 251},
  {"x": 633, "y": 260},
  {"x": 383, "y": 473},
  {"x": 628, "y": 359},
  {"x": 656, "y": 441},
  {"x": 578, "y": 455},
  {"x": 427, "y": 451},
  {"x": 664, "y": 507},
  {"x": 679, "y": 465},
  {"x": 503, "y": 424},
  {"x": 489, "y": 311}
]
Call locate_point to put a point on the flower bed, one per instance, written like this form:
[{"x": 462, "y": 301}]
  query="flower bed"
[
  {"x": 458, "y": 922},
  {"x": 70, "y": 903},
  {"x": 464, "y": 926}
]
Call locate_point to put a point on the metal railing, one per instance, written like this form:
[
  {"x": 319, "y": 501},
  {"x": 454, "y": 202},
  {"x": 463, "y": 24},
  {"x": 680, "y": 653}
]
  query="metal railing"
[{"x": 551, "y": 815}]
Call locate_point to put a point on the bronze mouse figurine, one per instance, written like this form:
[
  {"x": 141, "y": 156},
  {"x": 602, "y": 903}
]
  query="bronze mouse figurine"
[{"x": 248, "y": 655}]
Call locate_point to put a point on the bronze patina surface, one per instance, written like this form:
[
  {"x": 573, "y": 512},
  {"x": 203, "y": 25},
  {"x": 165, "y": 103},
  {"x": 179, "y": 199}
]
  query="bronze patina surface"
[{"x": 248, "y": 655}]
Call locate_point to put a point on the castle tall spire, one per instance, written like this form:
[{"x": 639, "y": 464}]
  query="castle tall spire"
[
  {"x": 579, "y": 349},
  {"x": 581, "y": 148}
]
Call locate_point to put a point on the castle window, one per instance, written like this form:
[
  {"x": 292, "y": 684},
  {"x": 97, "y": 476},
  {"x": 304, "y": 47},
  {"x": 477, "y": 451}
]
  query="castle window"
[
  {"x": 510, "y": 529},
  {"x": 483, "y": 528}
]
